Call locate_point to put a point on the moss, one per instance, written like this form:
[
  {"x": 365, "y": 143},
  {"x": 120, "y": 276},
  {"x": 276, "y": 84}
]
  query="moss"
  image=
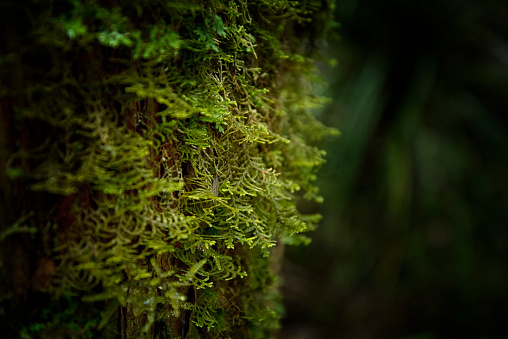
[{"x": 171, "y": 142}]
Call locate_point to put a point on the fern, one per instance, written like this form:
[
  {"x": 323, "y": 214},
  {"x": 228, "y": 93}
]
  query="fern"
[{"x": 182, "y": 162}]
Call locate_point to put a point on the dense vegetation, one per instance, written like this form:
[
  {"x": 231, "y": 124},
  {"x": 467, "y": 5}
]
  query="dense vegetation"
[{"x": 155, "y": 153}]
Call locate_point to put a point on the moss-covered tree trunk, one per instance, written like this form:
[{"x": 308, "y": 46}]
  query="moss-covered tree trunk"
[{"x": 152, "y": 157}]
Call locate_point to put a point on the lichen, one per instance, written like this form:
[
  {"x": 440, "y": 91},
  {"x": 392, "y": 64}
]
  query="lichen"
[{"x": 176, "y": 140}]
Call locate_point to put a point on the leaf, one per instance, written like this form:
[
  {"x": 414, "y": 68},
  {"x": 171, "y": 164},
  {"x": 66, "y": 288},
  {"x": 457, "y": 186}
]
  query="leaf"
[{"x": 218, "y": 26}]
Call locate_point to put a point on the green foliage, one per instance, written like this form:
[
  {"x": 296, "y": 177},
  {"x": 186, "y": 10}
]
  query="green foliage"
[
  {"x": 62, "y": 318},
  {"x": 145, "y": 105}
]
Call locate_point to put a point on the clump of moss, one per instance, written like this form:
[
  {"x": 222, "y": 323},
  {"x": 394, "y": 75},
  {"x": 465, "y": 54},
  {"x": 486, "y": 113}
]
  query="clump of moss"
[{"x": 170, "y": 142}]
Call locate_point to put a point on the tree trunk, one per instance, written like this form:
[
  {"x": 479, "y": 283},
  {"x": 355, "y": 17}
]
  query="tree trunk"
[{"x": 152, "y": 155}]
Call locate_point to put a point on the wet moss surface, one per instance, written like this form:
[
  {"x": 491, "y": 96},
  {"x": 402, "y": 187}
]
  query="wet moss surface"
[{"x": 155, "y": 155}]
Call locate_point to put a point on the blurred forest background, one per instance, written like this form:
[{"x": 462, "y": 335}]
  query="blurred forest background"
[{"x": 414, "y": 240}]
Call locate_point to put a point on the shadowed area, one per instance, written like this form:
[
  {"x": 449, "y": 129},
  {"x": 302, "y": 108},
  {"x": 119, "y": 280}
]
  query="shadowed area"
[{"x": 414, "y": 240}]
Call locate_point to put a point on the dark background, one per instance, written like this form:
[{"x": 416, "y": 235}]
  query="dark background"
[{"x": 414, "y": 240}]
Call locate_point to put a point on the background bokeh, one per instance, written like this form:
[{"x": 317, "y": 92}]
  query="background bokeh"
[{"x": 414, "y": 240}]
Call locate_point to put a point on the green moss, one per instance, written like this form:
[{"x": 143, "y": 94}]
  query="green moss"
[{"x": 142, "y": 106}]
